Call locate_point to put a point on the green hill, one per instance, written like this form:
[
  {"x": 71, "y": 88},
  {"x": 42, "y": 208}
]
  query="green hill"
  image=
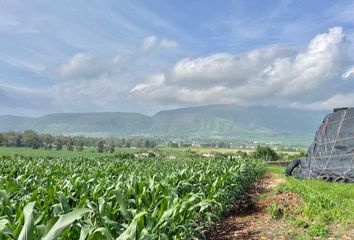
[
  {"x": 232, "y": 119},
  {"x": 12, "y": 122},
  {"x": 90, "y": 123},
  {"x": 204, "y": 121}
]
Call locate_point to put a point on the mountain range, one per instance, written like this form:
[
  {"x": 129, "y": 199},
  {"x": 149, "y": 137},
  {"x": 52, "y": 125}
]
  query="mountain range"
[{"x": 223, "y": 120}]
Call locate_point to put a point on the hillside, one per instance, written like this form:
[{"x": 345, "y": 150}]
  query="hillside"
[
  {"x": 13, "y": 122},
  {"x": 90, "y": 123},
  {"x": 203, "y": 121},
  {"x": 226, "y": 119}
]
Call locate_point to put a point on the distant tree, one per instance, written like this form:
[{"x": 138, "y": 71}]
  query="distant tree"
[
  {"x": 112, "y": 146},
  {"x": 266, "y": 153},
  {"x": 173, "y": 144},
  {"x": 31, "y": 139},
  {"x": 12, "y": 139},
  {"x": 47, "y": 140},
  {"x": 100, "y": 146},
  {"x": 80, "y": 146},
  {"x": 28, "y": 138},
  {"x": 149, "y": 143},
  {"x": 221, "y": 144},
  {"x": 119, "y": 142},
  {"x": 70, "y": 144},
  {"x": 59, "y": 142}
]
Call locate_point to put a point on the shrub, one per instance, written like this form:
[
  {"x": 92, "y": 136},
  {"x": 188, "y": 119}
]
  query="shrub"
[{"x": 266, "y": 153}]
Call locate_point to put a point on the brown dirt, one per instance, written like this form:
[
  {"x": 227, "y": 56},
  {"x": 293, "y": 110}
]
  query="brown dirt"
[{"x": 249, "y": 219}]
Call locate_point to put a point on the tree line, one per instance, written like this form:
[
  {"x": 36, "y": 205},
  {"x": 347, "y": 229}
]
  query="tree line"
[{"x": 32, "y": 139}]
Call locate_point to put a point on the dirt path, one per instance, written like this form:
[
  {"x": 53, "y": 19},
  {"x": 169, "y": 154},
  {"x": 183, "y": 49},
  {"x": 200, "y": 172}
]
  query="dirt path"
[{"x": 249, "y": 218}]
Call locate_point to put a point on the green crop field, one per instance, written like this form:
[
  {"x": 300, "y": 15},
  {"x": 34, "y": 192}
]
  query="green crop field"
[
  {"x": 111, "y": 198},
  {"x": 41, "y": 153}
]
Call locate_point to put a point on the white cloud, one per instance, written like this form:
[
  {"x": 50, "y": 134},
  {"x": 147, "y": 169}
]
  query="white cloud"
[
  {"x": 224, "y": 68},
  {"x": 75, "y": 65},
  {"x": 85, "y": 65},
  {"x": 99, "y": 92},
  {"x": 152, "y": 41},
  {"x": 336, "y": 101},
  {"x": 148, "y": 43},
  {"x": 274, "y": 75},
  {"x": 349, "y": 73},
  {"x": 166, "y": 43},
  {"x": 102, "y": 81}
]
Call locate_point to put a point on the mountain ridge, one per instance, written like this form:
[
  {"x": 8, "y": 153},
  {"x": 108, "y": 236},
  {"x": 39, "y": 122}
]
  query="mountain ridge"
[{"x": 226, "y": 120}]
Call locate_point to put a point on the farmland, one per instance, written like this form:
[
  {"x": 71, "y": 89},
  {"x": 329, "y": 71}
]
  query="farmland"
[
  {"x": 174, "y": 193},
  {"x": 63, "y": 154},
  {"x": 108, "y": 197}
]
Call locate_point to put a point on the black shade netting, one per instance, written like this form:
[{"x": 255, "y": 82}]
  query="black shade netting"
[{"x": 331, "y": 155}]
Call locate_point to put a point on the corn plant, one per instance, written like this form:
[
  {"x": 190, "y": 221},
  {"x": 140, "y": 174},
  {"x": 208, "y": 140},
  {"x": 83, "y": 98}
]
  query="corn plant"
[{"x": 110, "y": 198}]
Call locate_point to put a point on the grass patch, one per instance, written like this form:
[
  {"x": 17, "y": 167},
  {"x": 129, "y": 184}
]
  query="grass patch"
[
  {"x": 325, "y": 204},
  {"x": 276, "y": 169}
]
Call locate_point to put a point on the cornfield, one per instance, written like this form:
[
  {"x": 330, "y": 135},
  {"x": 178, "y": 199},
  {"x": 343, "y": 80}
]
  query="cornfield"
[{"x": 109, "y": 198}]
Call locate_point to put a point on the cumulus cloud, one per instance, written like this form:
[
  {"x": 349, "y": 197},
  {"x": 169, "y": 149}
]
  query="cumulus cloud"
[
  {"x": 273, "y": 75},
  {"x": 85, "y": 65},
  {"x": 102, "y": 81}
]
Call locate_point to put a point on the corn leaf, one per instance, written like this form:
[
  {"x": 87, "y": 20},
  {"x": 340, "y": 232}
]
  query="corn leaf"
[{"x": 28, "y": 227}]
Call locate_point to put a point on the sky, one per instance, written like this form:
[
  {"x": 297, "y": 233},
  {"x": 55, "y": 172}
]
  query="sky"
[{"x": 146, "y": 56}]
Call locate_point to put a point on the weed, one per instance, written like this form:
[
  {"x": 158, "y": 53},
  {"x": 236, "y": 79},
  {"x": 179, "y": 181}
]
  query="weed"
[
  {"x": 318, "y": 229},
  {"x": 275, "y": 210}
]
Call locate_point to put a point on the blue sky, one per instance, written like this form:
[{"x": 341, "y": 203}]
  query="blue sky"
[{"x": 144, "y": 56}]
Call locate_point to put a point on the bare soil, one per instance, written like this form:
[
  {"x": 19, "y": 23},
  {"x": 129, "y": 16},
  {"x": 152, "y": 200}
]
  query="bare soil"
[{"x": 250, "y": 220}]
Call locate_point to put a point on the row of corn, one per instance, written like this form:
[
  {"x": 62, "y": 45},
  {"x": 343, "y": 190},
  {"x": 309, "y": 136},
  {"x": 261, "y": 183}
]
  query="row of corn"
[{"x": 109, "y": 198}]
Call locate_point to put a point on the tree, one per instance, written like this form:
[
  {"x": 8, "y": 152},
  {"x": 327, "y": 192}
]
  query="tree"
[
  {"x": 70, "y": 144},
  {"x": 149, "y": 143},
  {"x": 173, "y": 144},
  {"x": 31, "y": 139},
  {"x": 2, "y": 140},
  {"x": 12, "y": 139},
  {"x": 100, "y": 146},
  {"x": 47, "y": 140},
  {"x": 112, "y": 146},
  {"x": 80, "y": 146},
  {"x": 266, "y": 153},
  {"x": 59, "y": 143},
  {"x": 119, "y": 142}
]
